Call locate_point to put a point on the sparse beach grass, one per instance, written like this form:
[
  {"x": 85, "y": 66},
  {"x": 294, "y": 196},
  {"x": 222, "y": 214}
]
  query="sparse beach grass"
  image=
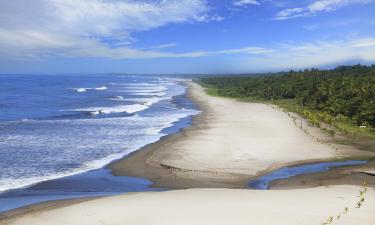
[
  {"x": 358, "y": 204},
  {"x": 363, "y": 138}
]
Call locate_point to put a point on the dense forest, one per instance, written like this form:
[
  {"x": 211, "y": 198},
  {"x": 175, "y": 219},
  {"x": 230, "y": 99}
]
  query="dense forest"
[{"x": 346, "y": 92}]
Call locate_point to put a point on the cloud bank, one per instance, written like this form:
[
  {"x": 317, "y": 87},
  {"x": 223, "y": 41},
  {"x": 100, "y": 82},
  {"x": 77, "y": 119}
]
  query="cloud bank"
[
  {"x": 315, "y": 54},
  {"x": 245, "y": 2},
  {"x": 93, "y": 28},
  {"x": 54, "y": 29}
]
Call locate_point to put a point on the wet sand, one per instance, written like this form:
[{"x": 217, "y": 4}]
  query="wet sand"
[{"x": 230, "y": 143}]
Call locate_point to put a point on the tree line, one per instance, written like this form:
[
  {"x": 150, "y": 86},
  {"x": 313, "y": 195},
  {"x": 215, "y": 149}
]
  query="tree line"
[{"x": 346, "y": 91}]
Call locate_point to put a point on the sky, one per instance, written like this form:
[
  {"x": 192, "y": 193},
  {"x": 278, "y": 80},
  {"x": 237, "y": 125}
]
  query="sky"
[{"x": 183, "y": 36}]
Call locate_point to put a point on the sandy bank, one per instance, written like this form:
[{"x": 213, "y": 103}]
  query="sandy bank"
[
  {"x": 230, "y": 143},
  {"x": 216, "y": 207},
  {"x": 352, "y": 175}
]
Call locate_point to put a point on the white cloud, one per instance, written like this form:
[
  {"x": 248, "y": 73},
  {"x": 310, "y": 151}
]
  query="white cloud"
[
  {"x": 87, "y": 27},
  {"x": 343, "y": 22},
  {"x": 315, "y": 54},
  {"x": 207, "y": 18},
  {"x": 246, "y": 2},
  {"x": 162, "y": 46},
  {"x": 316, "y": 7},
  {"x": 103, "y": 28},
  {"x": 369, "y": 42},
  {"x": 34, "y": 44},
  {"x": 289, "y": 13},
  {"x": 244, "y": 50}
]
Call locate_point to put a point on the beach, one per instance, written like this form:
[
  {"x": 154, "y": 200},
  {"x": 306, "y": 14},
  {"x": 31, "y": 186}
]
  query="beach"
[
  {"x": 229, "y": 143},
  {"x": 215, "y": 206},
  {"x": 187, "y": 112}
]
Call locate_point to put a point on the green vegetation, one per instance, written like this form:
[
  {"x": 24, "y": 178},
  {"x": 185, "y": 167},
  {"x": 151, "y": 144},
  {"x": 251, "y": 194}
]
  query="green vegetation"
[
  {"x": 358, "y": 205},
  {"x": 343, "y": 97}
]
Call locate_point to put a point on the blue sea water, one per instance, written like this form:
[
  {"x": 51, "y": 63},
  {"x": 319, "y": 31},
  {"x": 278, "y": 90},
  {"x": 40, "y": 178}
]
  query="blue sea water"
[
  {"x": 54, "y": 126},
  {"x": 93, "y": 183},
  {"x": 58, "y": 132},
  {"x": 262, "y": 183}
]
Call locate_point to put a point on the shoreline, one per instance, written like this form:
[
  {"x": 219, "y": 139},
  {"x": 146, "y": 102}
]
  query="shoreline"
[
  {"x": 137, "y": 164},
  {"x": 40, "y": 207},
  {"x": 56, "y": 186},
  {"x": 142, "y": 163},
  {"x": 213, "y": 206}
]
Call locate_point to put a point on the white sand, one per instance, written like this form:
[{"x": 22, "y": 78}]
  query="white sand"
[
  {"x": 240, "y": 138},
  {"x": 215, "y": 207}
]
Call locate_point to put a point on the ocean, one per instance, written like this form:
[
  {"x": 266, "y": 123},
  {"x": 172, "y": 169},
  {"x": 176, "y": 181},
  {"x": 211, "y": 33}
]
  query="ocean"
[{"x": 58, "y": 128}]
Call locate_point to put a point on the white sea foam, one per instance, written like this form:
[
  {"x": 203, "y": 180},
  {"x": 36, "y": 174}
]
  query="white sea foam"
[
  {"x": 95, "y": 112},
  {"x": 149, "y": 93},
  {"x": 121, "y": 108},
  {"x": 116, "y": 98},
  {"x": 101, "y": 88},
  {"x": 156, "y": 88},
  {"x": 145, "y": 87},
  {"x": 81, "y": 89},
  {"x": 93, "y": 143},
  {"x": 118, "y": 109},
  {"x": 7, "y": 184},
  {"x": 27, "y": 120},
  {"x": 138, "y": 84},
  {"x": 154, "y": 126}
]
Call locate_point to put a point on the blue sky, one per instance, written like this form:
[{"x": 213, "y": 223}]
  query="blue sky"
[{"x": 183, "y": 36}]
